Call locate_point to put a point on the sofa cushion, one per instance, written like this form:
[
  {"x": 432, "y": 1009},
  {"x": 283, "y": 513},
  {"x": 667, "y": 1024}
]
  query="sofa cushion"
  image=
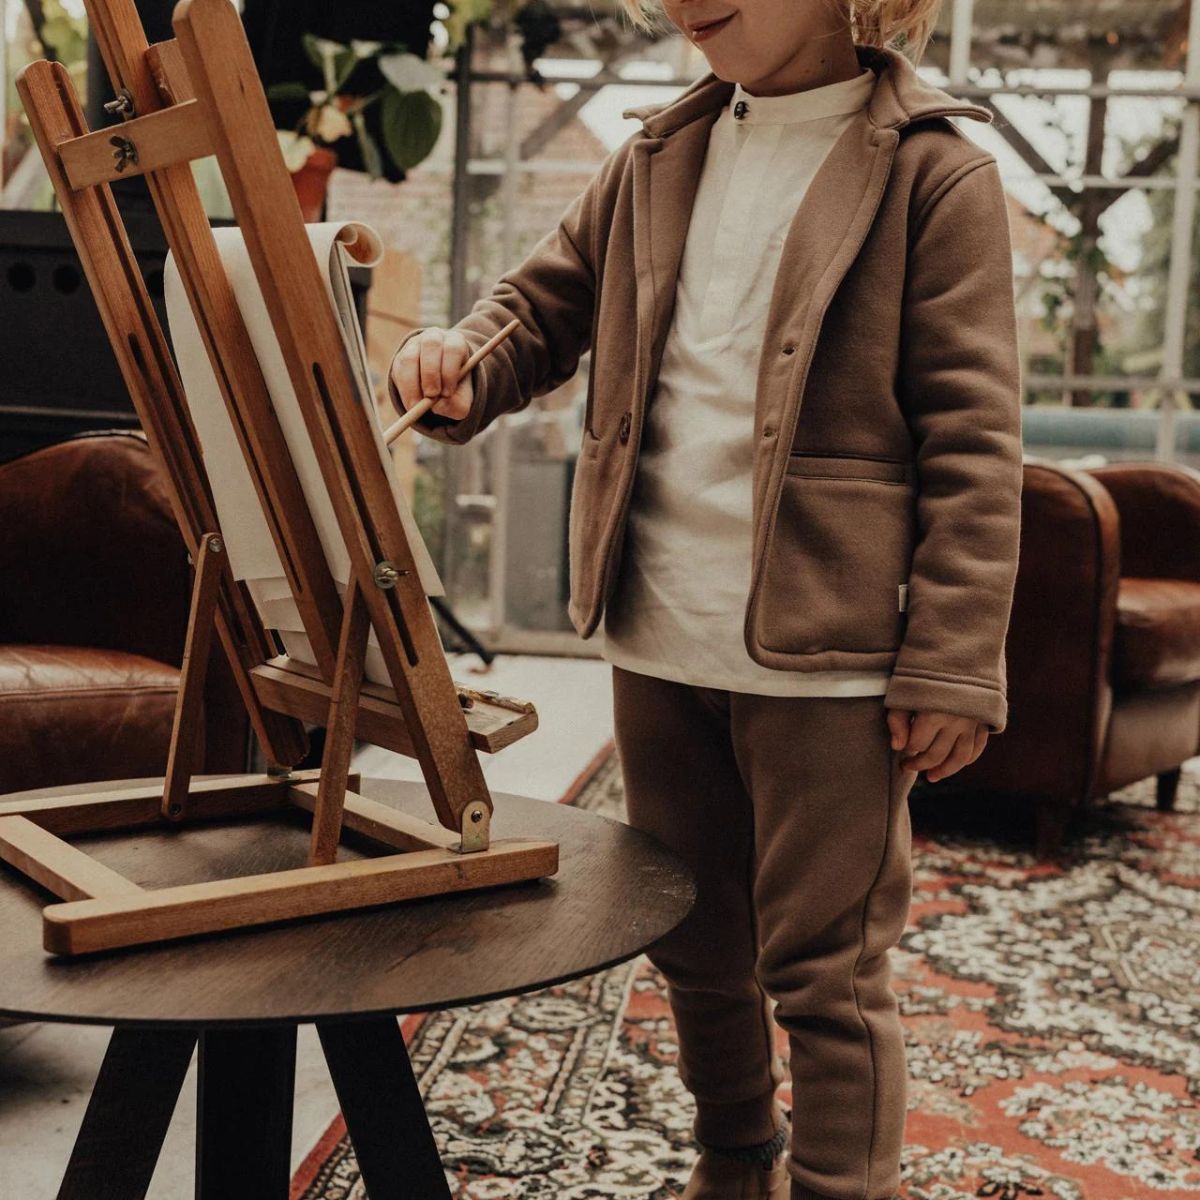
[
  {"x": 72, "y": 714},
  {"x": 1158, "y": 633}
]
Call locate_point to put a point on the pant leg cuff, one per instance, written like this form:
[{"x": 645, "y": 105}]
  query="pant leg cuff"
[{"x": 742, "y": 1123}]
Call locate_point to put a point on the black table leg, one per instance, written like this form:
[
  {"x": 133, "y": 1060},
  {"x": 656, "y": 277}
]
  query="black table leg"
[
  {"x": 127, "y": 1117},
  {"x": 382, "y": 1107},
  {"x": 244, "y": 1114}
]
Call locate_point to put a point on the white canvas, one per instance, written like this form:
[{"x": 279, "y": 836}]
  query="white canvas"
[{"x": 252, "y": 553}]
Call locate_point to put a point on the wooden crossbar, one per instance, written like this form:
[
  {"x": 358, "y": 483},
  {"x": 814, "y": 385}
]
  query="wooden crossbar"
[
  {"x": 85, "y": 926},
  {"x": 57, "y": 865},
  {"x": 378, "y": 821},
  {"x": 295, "y": 688},
  {"x": 150, "y": 143},
  {"x": 98, "y": 811}
]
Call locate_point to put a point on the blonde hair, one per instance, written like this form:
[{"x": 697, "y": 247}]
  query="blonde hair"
[{"x": 903, "y": 24}]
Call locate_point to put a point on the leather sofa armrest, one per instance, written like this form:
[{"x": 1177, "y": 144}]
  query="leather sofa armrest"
[
  {"x": 90, "y": 554},
  {"x": 1060, "y": 639},
  {"x": 1159, "y": 507}
]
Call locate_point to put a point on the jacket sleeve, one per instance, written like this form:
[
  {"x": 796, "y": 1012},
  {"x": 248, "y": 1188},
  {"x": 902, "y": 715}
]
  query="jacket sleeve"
[
  {"x": 960, "y": 386},
  {"x": 553, "y": 294}
]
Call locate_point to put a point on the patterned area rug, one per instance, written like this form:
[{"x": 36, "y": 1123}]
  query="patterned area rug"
[{"x": 1051, "y": 1016}]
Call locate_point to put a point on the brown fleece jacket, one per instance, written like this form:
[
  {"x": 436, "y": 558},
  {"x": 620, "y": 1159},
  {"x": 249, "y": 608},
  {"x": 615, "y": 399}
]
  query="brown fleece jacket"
[{"x": 887, "y": 405}]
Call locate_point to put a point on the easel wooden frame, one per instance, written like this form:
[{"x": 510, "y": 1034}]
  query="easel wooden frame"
[{"x": 195, "y": 95}]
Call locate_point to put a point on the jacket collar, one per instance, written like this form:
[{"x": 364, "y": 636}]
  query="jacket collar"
[{"x": 900, "y": 97}]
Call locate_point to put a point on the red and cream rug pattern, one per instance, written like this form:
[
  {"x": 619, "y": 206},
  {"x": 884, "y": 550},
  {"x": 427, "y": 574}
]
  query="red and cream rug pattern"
[{"x": 1052, "y": 1016}]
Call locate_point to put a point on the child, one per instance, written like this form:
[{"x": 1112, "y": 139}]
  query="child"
[{"x": 796, "y": 506}]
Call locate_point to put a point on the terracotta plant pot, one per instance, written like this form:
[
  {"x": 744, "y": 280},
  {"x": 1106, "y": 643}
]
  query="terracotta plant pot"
[{"x": 311, "y": 181}]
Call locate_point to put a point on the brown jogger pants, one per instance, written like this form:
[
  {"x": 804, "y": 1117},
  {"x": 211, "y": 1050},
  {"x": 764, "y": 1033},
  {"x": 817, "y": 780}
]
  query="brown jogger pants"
[{"x": 793, "y": 814}]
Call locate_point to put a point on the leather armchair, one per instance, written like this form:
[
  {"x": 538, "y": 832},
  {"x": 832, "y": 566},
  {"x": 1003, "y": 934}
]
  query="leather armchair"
[
  {"x": 95, "y": 590},
  {"x": 1103, "y": 649}
]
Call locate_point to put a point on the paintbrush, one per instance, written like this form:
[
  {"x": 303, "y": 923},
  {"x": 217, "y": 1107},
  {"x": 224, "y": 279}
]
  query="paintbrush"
[{"x": 423, "y": 405}]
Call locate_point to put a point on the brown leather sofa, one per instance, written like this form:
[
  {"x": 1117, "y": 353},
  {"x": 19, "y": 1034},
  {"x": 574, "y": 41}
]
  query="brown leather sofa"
[
  {"x": 1103, "y": 649},
  {"x": 95, "y": 588}
]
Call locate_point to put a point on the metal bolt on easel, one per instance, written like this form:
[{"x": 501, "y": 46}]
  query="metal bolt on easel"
[
  {"x": 125, "y": 152},
  {"x": 387, "y": 575},
  {"x": 123, "y": 105}
]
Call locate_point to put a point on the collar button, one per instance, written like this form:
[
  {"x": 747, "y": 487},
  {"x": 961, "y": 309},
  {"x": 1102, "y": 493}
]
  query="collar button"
[{"x": 740, "y": 109}]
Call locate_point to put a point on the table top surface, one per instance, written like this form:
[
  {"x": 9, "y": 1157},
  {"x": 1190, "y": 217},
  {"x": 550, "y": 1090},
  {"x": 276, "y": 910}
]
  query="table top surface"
[{"x": 616, "y": 892}]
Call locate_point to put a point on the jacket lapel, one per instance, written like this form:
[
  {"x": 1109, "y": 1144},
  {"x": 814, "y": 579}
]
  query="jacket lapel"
[
  {"x": 824, "y": 238},
  {"x": 826, "y": 233},
  {"x": 666, "y": 172}
]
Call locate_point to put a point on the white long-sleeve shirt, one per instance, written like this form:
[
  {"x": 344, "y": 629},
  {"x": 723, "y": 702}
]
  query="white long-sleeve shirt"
[{"x": 679, "y": 604}]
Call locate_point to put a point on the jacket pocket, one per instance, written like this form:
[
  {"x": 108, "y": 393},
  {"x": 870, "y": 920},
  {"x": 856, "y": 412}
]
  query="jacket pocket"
[
  {"x": 850, "y": 466},
  {"x": 837, "y": 568}
]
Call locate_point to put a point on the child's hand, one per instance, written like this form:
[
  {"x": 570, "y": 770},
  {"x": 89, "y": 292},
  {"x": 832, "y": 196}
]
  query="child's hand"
[
  {"x": 937, "y": 743},
  {"x": 429, "y": 365}
]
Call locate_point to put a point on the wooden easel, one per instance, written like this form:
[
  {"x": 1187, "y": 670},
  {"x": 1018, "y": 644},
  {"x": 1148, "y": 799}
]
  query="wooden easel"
[{"x": 182, "y": 99}]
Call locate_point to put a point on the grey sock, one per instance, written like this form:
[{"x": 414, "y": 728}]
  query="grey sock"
[{"x": 764, "y": 1152}]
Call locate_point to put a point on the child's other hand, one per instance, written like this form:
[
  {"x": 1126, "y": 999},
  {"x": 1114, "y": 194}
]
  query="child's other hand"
[
  {"x": 429, "y": 365},
  {"x": 937, "y": 743}
]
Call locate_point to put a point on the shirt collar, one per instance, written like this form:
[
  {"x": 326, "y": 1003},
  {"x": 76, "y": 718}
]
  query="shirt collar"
[
  {"x": 828, "y": 100},
  {"x": 901, "y": 96}
]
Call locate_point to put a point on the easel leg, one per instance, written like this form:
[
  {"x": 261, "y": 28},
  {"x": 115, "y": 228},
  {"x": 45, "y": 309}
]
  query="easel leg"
[
  {"x": 384, "y": 1113},
  {"x": 244, "y": 1114},
  {"x": 339, "y": 734},
  {"x": 128, "y": 1115},
  {"x": 181, "y": 761}
]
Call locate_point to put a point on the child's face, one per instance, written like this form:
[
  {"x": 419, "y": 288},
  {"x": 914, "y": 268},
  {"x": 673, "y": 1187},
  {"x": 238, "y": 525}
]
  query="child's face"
[{"x": 750, "y": 40}]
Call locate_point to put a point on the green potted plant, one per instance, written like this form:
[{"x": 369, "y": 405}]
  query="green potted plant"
[{"x": 410, "y": 116}]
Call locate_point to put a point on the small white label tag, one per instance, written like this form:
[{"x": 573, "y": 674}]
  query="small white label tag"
[{"x": 903, "y": 589}]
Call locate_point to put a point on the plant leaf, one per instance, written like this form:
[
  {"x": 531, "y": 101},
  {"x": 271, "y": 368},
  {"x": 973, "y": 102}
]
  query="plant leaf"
[
  {"x": 411, "y": 122},
  {"x": 372, "y": 159},
  {"x": 320, "y": 49},
  {"x": 294, "y": 147},
  {"x": 343, "y": 64},
  {"x": 408, "y": 73}
]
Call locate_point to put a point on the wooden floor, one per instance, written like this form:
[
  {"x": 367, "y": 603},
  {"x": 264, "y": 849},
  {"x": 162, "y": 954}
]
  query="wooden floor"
[{"x": 46, "y": 1071}]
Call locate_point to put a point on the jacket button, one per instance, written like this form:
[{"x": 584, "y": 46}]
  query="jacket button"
[
  {"x": 789, "y": 347},
  {"x": 623, "y": 430}
]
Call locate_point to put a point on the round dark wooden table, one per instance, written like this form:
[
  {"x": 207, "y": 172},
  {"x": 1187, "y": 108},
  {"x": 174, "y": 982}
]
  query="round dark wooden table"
[{"x": 241, "y": 995}]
